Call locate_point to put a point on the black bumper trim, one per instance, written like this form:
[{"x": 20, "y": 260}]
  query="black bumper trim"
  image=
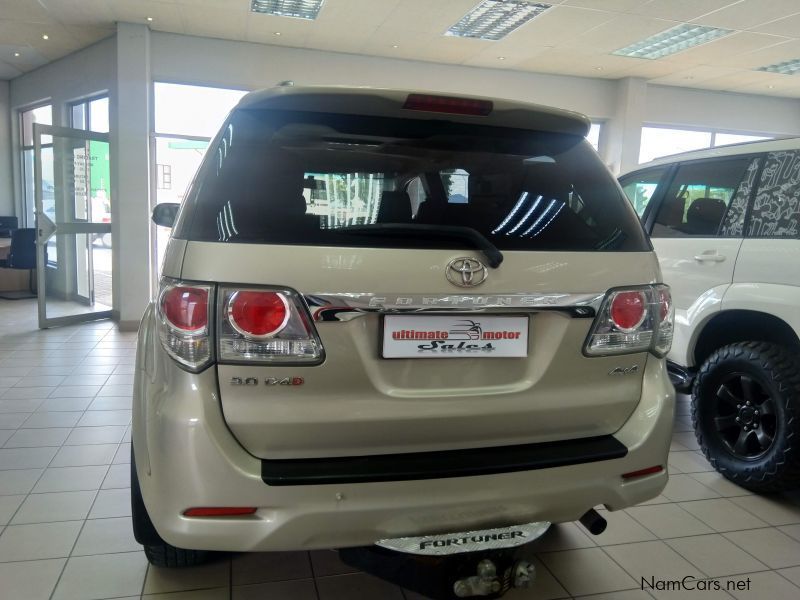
[{"x": 439, "y": 465}]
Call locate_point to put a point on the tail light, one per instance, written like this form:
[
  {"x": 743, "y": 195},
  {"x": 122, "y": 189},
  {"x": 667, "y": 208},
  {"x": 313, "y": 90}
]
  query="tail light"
[
  {"x": 633, "y": 320},
  {"x": 184, "y": 313},
  {"x": 267, "y": 326},
  {"x": 448, "y": 104}
]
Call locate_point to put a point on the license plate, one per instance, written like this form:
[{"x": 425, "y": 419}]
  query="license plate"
[
  {"x": 470, "y": 541},
  {"x": 456, "y": 336}
]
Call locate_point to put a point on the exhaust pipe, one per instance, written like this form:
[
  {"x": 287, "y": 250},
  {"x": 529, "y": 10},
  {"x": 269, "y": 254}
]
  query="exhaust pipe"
[{"x": 593, "y": 522}]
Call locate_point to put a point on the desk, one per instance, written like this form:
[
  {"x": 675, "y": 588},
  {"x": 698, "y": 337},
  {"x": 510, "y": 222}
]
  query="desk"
[{"x": 11, "y": 279}]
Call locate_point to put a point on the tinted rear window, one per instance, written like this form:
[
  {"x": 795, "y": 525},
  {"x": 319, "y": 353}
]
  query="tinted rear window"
[{"x": 279, "y": 177}]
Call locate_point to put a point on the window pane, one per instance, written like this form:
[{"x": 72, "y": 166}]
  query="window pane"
[
  {"x": 192, "y": 110},
  {"x": 42, "y": 114},
  {"x": 723, "y": 139},
  {"x": 98, "y": 115},
  {"x": 27, "y": 186},
  {"x": 594, "y": 135},
  {"x": 658, "y": 141},
  {"x": 180, "y": 159},
  {"x": 523, "y": 190},
  {"x": 79, "y": 116},
  {"x": 698, "y": 197},
  {"x": 776, "y": 211},
  {"x": 640, "y": 187}
]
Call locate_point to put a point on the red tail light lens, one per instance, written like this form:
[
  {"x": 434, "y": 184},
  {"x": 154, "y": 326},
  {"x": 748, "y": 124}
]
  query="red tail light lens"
[
  {"x": 448, "y": 104},
  {"x": 643, "y": 472},
  {"x": 258, "y": 314},
  {"x": 219, "y": 511},
  {"x": 186, "y": 308},
  {"x": 628, "y": 310}
]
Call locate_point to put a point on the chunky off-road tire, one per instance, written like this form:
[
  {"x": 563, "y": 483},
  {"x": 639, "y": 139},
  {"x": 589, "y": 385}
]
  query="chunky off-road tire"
[
  {"x": 746, "y": 415},
  {"x": 158, "y": 552}
]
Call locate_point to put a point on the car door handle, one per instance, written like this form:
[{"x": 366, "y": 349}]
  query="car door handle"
[{"x": 709, "y": 257}]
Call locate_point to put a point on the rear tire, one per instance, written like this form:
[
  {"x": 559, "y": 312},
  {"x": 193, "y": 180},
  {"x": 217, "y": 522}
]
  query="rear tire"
[
  {"x": 158, "y": 552},
  {"x": 746, "y": 415}
]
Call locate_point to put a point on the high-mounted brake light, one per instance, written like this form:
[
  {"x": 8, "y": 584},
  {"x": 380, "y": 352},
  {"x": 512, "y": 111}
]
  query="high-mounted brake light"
[
  {"x": 633, "y": 320},
  {"x": 448, "y": 104},
  {"x": 219, "y": 511},
  {"x": 183, "y": 323}
]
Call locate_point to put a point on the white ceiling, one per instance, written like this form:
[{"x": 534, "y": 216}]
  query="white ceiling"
[{"x": 575, "y": 37}]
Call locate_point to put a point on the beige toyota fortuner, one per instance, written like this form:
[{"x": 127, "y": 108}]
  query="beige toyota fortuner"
[{"x": 390, "y": 315}]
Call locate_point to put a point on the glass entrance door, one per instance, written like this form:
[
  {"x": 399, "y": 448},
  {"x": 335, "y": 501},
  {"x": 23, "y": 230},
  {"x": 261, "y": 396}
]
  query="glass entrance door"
[{"x": 73, "y": 222}]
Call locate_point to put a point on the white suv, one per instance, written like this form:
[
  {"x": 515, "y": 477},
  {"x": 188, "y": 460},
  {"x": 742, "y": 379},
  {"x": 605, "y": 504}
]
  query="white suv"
[{"x": 725, "y": 224}]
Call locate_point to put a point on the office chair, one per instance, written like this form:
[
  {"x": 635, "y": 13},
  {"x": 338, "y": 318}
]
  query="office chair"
[
  {"x": 21, "y": 256},
  {"x": 7, "y": 225}
]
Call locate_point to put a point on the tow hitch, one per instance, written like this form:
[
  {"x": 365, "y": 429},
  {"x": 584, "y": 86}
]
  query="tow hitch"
[{"x": 485, "y": 563}]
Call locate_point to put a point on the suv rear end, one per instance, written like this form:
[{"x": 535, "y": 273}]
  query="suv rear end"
[{"x": 387, "y": 314}]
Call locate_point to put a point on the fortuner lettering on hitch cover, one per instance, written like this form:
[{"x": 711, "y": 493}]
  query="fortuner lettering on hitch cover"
[{"x": 393, "y": 315}]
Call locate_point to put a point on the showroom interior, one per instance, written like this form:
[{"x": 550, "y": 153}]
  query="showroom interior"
[{"x": 137, "y": 90}]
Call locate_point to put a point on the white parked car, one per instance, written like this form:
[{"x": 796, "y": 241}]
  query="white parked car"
[{"x": 725, "y": 224}]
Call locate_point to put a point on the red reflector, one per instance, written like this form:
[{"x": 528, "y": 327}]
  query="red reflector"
[
  {"x": 258, "y": 314},
  {"x": 448, "y": 104},
  {"x": 186, "y": 308},
  {"x": 219, "y": 511},
  {"x": 628, "y": 310},
  {"x": 643, "y": 472}
]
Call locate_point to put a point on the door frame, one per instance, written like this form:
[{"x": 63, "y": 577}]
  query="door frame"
[{"x": 67, "y": 228}]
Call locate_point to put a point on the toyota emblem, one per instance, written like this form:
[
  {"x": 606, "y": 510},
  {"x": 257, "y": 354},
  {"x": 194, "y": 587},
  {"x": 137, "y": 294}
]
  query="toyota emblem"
[{"x": 466, "y": 272}]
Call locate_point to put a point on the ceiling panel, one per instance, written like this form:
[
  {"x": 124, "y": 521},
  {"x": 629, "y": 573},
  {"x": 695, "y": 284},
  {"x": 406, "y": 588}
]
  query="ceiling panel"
[
  {"x": 574, "y": 37},
  {"x": 749, "y": 13}
]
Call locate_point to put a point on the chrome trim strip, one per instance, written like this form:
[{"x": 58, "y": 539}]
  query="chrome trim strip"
[{"x": 326, "y": 306}]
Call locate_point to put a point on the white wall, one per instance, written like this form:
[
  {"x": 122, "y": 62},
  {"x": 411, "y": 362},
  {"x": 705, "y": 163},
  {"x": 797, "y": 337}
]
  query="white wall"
[
  {"x": 187, "y": 59},
  {"x": 721, "y": 110},
  {"x": 6, "y": 184}
]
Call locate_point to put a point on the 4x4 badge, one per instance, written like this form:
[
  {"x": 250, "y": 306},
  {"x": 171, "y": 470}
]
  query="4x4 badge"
[{"x": 466, "y": 272}]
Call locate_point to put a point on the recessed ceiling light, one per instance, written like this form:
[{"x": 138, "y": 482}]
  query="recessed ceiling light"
[
  {"x": 16, "y": 53},
  {"x": 689, "y": 77},
  {"x": 299, "y": 9},
  {"x": 771, "y": 87},
  {"x": 789, "y": 67},
  {"x": 277, "y": 33},
  {"x": 501, "y": 58},
  {"x": 671, "y": 41},
  {"x": 598, "y": 68},
  {"x": 495, "y": 19},
  {"x": 395, "y": 46},
  {"x": 45, "y": 37},
  {"x": 150, "y": 19}
]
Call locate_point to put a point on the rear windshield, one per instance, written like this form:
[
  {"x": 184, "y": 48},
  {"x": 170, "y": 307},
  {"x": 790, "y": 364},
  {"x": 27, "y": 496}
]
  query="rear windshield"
[{"x": 283, "y": 177}]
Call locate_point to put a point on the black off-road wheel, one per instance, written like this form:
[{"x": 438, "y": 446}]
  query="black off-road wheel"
[
  {"x": 746, "y": 415},
  {"x": 158, "y": 552}
]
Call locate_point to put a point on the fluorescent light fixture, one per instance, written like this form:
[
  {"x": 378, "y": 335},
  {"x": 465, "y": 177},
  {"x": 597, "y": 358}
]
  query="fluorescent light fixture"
[
  {"x": 788, "y": 67},
  {"x": 495, "y": 19},
  {"x": 671, "y": 41},
  {"x": 299, "y": 9}
]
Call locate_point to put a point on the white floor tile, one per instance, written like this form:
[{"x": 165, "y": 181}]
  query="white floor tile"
[
  {"x": 32, "y": 580},
  {"x": 111, "y": 503},
  {"x": 96, "y": 435},
  {"x": 40, "y": 540},
  {"x": 86, "y": 455},
  {"x": 35, "y": 438},
  {"x": 106, "y": 536},
  {"x": 59, "y": 506},
  {"x": 69, "y": 479},
  {"x": 97, "y": 577}
]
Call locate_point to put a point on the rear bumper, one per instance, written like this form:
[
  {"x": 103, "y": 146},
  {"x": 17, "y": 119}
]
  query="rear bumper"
[
  {"x": 682, "y": 378},
  {"x": 186, "y": 457}
]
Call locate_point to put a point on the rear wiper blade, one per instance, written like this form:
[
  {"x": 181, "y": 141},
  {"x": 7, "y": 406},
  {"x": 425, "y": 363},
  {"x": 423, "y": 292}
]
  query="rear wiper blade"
[{"x": 456, "y": 232}]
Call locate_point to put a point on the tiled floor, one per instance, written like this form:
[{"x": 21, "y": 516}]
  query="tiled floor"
[{"x": 64, "y": 504}]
